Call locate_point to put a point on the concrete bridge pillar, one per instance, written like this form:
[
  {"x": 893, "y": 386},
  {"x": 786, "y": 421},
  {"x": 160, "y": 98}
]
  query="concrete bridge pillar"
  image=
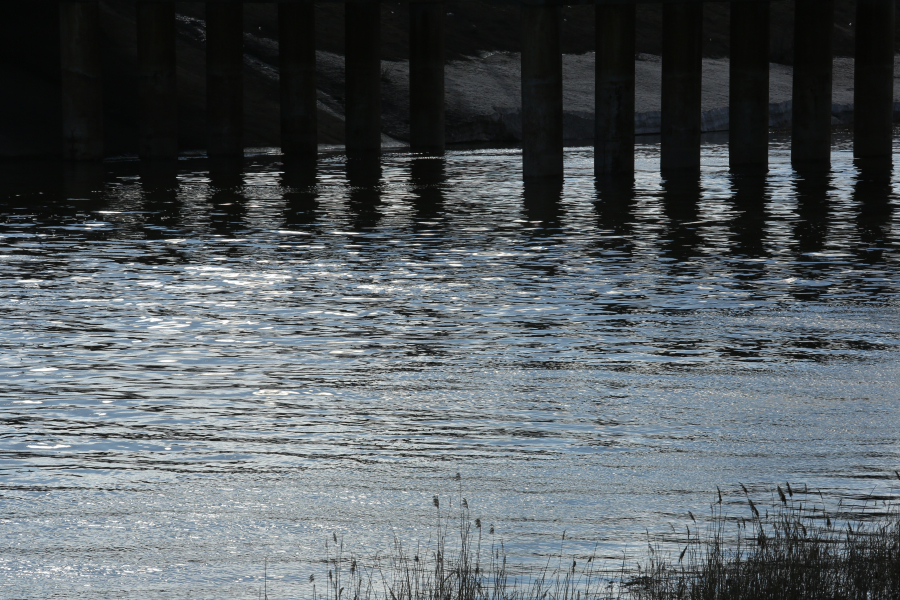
[
  {"x": 156, "y": 71},
  {"x": 542, "y": 123},
  {"x": 682, "y": 75},
  {"x": 614, "y": 98},
  {"x": 297, "y": 72},
  {"x": 873, "y": 86},
  {"x": 749, "y": 85},
  {"x": 224, "y": 77},
  {"x": 82, "y": 88},
  {"x": 426, "y": 76},
  {"x": 363, "y": 76},
  {"x": 813, "y": 55}
]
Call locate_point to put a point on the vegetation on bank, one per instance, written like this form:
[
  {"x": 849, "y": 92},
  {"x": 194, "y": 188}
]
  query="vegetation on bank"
[
  {"x": 791, "y": 548},
  {"x": 798, "y": 551}
]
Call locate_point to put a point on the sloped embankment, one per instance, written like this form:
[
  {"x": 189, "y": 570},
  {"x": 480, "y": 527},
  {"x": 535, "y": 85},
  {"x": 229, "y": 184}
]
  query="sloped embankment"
[{"x": 484, "y": 98}]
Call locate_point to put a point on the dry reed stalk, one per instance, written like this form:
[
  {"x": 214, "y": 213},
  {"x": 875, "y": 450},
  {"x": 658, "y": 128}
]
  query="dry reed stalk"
[{"x": 791, "y": 549}]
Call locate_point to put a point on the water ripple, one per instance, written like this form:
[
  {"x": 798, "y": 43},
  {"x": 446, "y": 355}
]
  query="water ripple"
[{"x": 205, "y": 366}]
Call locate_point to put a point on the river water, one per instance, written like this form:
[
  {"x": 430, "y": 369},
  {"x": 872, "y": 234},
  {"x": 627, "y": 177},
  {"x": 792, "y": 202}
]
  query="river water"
[{"x": 209, "y": 367}]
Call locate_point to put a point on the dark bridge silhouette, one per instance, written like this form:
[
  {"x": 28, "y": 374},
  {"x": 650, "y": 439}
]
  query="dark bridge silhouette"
[{"x": 542, "y": 110}]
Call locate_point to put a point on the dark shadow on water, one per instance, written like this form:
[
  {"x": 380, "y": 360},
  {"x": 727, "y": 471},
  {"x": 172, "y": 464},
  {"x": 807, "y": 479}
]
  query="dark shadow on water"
[
  {"x": 542, "y": 208},
  {"x": 40, "y": 180},
  {"x": 51, "y": 198},
  {"x": 750, "y": 198},
  {"x": 160, "y": 186},
  {"x": 158, "y": 177},
  {"x": 873, "y": 193},
  {"x": 680, "y": 199},
  {"x": 301, "y": 198},
  {"x": 84, "y": 180},
  {"x": 427, "y": 176},
  {"x": 542, "y": 204},
  {"x": 615, "y": 204},
  {"x": 31, "y": 186},
  {"x": 31, "y": 195},
  {"x": 811, "y": 189},
  {"x": 228, "y": 205},
  {"x": 83, "y": 194},
  {"x": 364, "y": 197}
]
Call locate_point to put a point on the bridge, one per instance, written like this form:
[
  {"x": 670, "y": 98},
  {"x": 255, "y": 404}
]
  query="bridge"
[{"x": 542, "y": 110}]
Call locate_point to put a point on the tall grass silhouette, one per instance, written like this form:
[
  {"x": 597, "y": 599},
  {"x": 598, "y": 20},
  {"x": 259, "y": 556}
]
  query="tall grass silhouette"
[
  {"x": 789, "y": 547},
  {"x": 798, "y": 551}
]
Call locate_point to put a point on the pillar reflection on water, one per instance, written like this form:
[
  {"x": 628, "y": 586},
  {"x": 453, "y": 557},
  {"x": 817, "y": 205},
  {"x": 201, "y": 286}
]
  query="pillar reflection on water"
[
  {"x": 83, "y": 180},
  {"x": 32, "y": 191},
  {"x": 227, "y": 203},
  {"x": 873, "y": 193},
  {"x": 160, "y": 186},
  {"x": 812, "y": 187},
  {"x": 615, "y": 205},
  {"x": 681, "y": 192},
  {"x": 428, "y": 175},
  {"x": 301, "y": 197},
  {"x": 542, "y": 206},
  {"x": 750, "y": 199},
  {"x": 83, "y": 194},
  {"x": 364, "y": 195}
]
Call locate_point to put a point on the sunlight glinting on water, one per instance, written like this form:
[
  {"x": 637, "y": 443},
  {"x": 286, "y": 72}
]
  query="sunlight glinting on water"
[{"x": 206, "y": 368}]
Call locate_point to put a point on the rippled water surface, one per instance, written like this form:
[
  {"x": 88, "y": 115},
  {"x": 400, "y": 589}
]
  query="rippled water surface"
[{"x": 203, "y": 369}]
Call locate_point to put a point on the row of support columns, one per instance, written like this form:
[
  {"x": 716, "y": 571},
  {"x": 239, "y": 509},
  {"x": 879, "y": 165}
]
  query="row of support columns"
[
  {"x": 749, "y": 85},
  {"x": 82, "y": 87},
  {"x": 542, "y": 110}
]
